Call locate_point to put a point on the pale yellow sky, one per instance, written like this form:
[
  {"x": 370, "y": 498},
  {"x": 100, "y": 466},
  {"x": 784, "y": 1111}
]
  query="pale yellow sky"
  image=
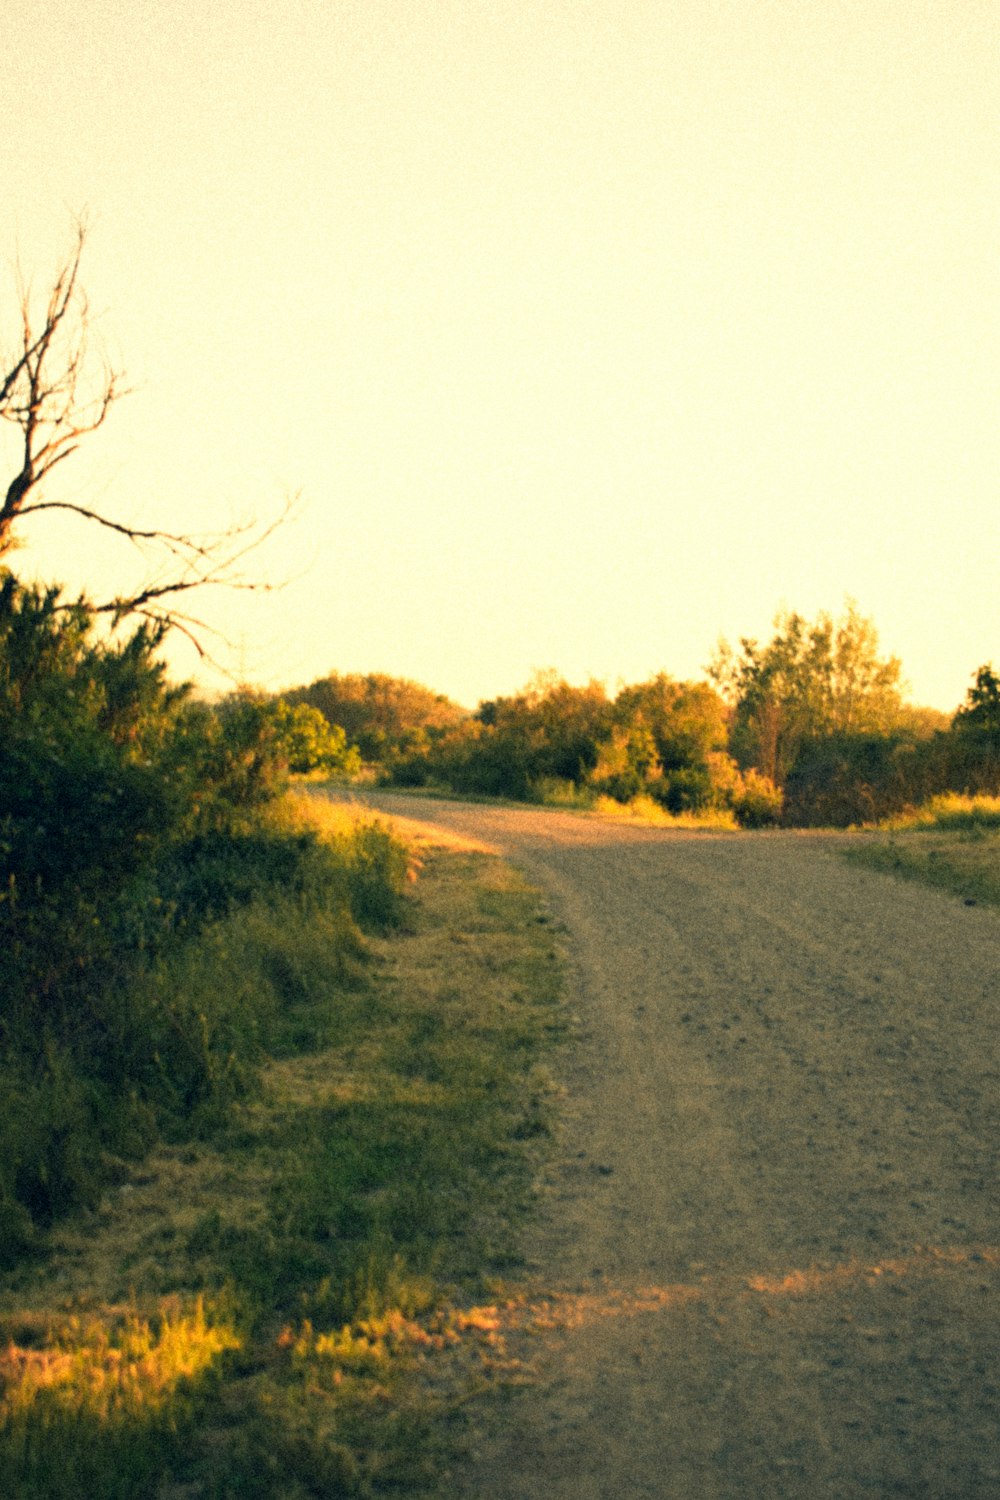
[{"x": 590, "y": 330}]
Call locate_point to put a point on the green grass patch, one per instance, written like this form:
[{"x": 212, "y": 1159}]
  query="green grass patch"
[
  {"x": 951, "y": 842},
  {"x": 236, "y": 947},
  {"x": 275, "y": 1308},
  {"x": 964, "y": 863},
  {"x": 951, "y": 812}
]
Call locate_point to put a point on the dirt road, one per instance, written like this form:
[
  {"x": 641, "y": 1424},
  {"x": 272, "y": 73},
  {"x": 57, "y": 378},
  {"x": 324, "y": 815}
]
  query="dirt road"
[{"x": 767, "y": 1260}]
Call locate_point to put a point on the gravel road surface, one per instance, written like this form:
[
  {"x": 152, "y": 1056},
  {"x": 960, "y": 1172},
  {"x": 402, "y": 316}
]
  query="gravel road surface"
[{"x": 767, "y": 1259}]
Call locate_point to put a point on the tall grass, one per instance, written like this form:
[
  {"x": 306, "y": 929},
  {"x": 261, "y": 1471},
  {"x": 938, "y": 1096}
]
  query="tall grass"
[{"x": 238, "y": 946}]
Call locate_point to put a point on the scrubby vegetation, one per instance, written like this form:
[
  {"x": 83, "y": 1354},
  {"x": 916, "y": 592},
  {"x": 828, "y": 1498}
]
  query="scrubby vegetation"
[
  {"x": 187, "y": 997},
  {"x": 657, "y": 745},
  {"x": 388, "y": 718},
  {"x": 189, "y": 1008},
  {"x": 300, "y": 1300},
  {"x": 952, "y": 842},
  {"x": 155, "y": 908},
  {"x": 821, "y": 714},
  {"x": 810, "y": 729}
]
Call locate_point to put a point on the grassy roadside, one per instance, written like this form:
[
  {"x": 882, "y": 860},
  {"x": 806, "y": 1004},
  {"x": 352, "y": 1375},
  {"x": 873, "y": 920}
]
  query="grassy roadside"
[
  {"x": 642, "y": 811},
  {"x": 300, "y": 1304},
  {"x": 953, "y": 843}
]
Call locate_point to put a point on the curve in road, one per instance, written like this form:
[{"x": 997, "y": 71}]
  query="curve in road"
[{"x": 767, "y": 1260}]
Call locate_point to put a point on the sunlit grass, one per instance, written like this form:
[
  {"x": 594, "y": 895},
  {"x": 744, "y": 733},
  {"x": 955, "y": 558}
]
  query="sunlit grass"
[
  {"x": 302, "y": 810},
  {"x": 110, "y": 1368},
  {"x": 98, "y": 1405},
  {"x": 952, "y": 842},
  {"x": 647, "y": 811},
  {"x": 343, "y": 1220},
  {"x": 950, "y": 811}
]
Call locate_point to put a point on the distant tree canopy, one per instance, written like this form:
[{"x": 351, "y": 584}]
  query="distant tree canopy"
[
  {"x": 973, "y": 748},
  {"x": 660, "y": 739},
  {"x": 809, "y": 729},
  {"x": 552, "y": 728},
  {"x": 384, "y": 716},
  {"x": 980, "y": 714},
  {"x": 813, "y": 680}
]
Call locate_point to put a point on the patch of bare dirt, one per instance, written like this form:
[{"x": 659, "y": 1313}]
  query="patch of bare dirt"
[{"x": 766, "y": 1262}]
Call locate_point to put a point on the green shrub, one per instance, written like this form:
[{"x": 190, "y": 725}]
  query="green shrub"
[
  {"x": 410, "y": 770},
  {"x": 620, "y": 786},
  {"x": 858, "y": 778},
  {"x": 758, "y": 802},
  {"x": 685, "y": 789},
  {"x": 172, "y": 1039},
  {"x": 376, "y": 866},
  {"x": 159, "y": 929}
]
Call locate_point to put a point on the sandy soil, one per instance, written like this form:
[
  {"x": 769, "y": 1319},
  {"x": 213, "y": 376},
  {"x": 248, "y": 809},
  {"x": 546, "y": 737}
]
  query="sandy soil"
[{"x": 767, "y": 1260}]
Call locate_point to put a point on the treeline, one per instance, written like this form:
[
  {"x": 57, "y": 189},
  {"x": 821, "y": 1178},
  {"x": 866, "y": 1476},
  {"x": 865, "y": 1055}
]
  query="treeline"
[
  {"x": 386, "y": 718},
  {"x": 164, "y": 919},
  {"x": 810, "y": 728}
]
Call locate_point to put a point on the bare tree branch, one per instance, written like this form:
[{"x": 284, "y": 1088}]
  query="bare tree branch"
[
  {"x": 57, "y": 390},
  {"x": 53, "y": 390},
  {"x": 186, "y": 545}
]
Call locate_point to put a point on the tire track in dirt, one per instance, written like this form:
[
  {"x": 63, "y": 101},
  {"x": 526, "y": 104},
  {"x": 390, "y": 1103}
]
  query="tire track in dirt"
[{"x": 766, "y": 1254}]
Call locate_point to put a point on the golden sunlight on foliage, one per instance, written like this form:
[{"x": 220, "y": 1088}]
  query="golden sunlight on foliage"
[
  {"x": 645, "y": 810},
  {"x": 111, "y": 1367},
  {"x": 317, "y": 810},
  {"x": 951, "y": 811}
]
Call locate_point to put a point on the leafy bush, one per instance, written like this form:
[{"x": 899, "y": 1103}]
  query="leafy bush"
[
  {"x": 684, "y": 789},
  {"x": 847, "y": 779},
  {"x": 388, "y": 717},
  {"x": 159, "y": 927},
  {"x": 173, "y": 1039}
]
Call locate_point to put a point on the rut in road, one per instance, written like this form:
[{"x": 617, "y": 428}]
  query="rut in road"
[{"x": 767, "y": 1261}]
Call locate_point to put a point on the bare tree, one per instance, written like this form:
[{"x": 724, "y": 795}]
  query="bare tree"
[{"x": 57, "y": 389}]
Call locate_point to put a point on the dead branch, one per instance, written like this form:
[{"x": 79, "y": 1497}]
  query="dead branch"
[{"x": 58, "y": 388}]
